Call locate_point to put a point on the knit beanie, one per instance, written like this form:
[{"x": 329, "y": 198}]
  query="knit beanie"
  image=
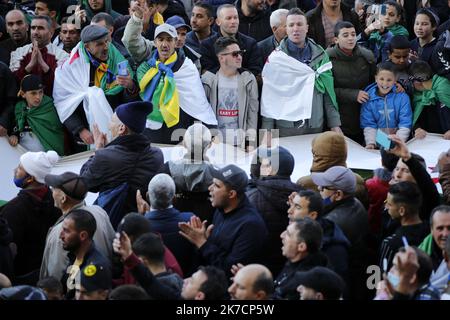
[
  {"x": 39, "y": 164},
  {"x": 134, "y": 114}
]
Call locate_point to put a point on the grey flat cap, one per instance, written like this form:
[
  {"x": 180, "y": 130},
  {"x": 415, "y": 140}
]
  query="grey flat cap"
[{"x": 92, "y": 33}]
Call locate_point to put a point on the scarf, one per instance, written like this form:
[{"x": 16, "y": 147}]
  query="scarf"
[
  {"x": 44, "y": 123},
  {"x": 105, "y": 73},
  {"x": 440, "y": 92},
  {"x": 158, "y": 18},
  {"x": 157, "y": 84}
]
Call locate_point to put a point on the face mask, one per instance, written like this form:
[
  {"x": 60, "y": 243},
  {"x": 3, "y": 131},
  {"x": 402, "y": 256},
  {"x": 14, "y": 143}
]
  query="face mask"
[
  {"x": 393, "y": 279},
  {"x": 327, "y": 200},
  {"x": 19, "y": 182}
]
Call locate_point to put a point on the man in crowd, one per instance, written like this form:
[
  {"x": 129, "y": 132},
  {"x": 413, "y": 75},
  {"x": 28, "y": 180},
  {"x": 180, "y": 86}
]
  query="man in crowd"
[
  {"x": 69, "y": 191},
  {"x": 252, "y": 282},
  {"x": 17, "y": 28},
  {"x": 69, "y": 35},
  {"x": 77, "y": 233},
  {"x": 240, "y": 232},
  {"x": 126, "y": 164},
  {"x": 164, "y": 65},
  {"x": 228, "y": 22},
  {"x": 202, "y": 20},
  {"x": 31, "y": 213},
  {"x": 278, "y": 26},
  {"x": 41, "y": 57},
  {"x": 313, "y": 92},
  {"x": 254, "y": 17},
  {"x": 88, "y": 87}
]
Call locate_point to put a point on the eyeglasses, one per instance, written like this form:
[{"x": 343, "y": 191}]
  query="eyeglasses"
[{"x": 234, "y": 53}]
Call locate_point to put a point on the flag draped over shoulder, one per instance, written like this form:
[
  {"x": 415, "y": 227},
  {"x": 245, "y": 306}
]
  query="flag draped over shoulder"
[
  {"x": 288, "y": 86},
  {"x": 440, "y": 92},
  {"x": 71, "y": 86},
  {"x": 44, "y": 123},
  {"x": 168, "y": 91},
  {"x": 157, "y": 84}
]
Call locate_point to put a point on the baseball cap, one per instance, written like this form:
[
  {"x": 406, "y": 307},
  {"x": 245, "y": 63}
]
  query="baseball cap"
[
  {"x": 322, "y": 280},
  {"x": 167, "y": 28},
  {"x": 96, "y": 276},
  {"x": 31, "y": 82},
  {"x": 232, "y": 175},
  {"x": 177, "y": 22},
  {"x": 338, "y": 177},
  {"x": 70, "y": 183}
]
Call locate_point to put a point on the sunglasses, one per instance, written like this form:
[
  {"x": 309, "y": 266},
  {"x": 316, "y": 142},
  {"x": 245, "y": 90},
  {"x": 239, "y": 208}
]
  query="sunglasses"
[
  {"x": 234, "y": 54},
  {"x": 418, "y": 79}
]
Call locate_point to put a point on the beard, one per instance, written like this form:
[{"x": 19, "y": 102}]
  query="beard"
[{"x": 72, "y": 246}]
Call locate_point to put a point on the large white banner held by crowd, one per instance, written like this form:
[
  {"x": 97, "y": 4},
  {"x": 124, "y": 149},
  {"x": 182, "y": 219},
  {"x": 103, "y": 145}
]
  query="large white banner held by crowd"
[{"x": 220, "y": 155}]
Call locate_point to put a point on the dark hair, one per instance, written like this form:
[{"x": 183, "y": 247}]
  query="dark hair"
[
  {"x": 315, "y": 201},
  {"x": 208, "y": 8},
  {"x": 222, "y": 43},
  {"x": 341, "y": 25},
  {"x": 216, "y": 284},
  {"x": 396, "y": 5},
  {"x": 399, "y": 42},
  {"x": 50, "y": 284},
  {"x": 103, "y": 16},
  {"x": 46, "y": 18},
  {"x": 134, "y": 225},
  {"x": 295, "y": 12},
  {"x": 407, "y": 194},
  {"x": 52, "y": 5},
  {"x": 420, "y": 68},
  {"x": 442, "y": 208},
  {"x": 264, "y": 282},
  {"x": 150, "y": 246},
  {"x": 386, "y": 66},
  {"x": 128, "y": 292},
  {"x": 84, "y": 221},
  {"x": 431, "y": 15},
  {"x": 388, "y": 160},
  {"x": 310, "y": 232}
]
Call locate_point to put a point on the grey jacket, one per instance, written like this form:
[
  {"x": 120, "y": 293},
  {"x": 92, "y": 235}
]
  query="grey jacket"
[
  {"x": 248, "y": 99},
  {"x": 322, "y": 105},
  {"x": 55, "y": 260}
]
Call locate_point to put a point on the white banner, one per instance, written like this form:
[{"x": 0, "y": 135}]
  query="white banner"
[{"x": 221, "y": 155}]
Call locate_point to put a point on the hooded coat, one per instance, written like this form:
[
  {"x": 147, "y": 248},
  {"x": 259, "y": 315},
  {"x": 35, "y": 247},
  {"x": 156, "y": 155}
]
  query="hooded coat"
[
  {"x": 329, "y": 149},
  {"x": 269, "y": 195}
]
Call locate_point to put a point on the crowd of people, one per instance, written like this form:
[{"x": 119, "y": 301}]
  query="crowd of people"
[{"x": 120, "y": 77}]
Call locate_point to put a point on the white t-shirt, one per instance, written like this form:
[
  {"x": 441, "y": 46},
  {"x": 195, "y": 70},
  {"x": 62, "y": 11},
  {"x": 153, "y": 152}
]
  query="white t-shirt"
[{"x": 228, "y": 108}]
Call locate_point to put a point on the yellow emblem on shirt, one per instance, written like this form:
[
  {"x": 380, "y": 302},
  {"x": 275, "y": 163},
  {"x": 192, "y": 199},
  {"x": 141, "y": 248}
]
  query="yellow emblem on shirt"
[{"x": 90, "y": 270}]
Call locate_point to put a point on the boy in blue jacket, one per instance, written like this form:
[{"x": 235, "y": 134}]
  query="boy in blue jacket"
[{"x": 386, "y": 109}]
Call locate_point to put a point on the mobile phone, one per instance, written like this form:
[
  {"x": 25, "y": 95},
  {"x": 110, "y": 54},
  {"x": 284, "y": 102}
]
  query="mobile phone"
[
  {"x": 383, "y": 10},
  {"x": 81, "y": 5},
  {"x": 122, "y": 68},
  {"x": 383, "y": 140}
]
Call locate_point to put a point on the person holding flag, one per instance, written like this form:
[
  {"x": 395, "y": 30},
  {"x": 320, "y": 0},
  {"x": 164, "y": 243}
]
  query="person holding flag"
[
  {"x": 88, "y": 87},
  {"x": 298, "y": 89},
  {"x": 169, "y": 80}
]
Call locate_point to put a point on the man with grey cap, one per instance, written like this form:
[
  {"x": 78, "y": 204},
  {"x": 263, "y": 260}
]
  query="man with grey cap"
[
  {"x": 125, "y": 164},
  {"x": 69, "y": 191},
  {"x": 162, "y": 64},
  {"x": 237, "y": 233},
  {"x": 88, "y": 87},
  {"x": 337, "y": 186}
]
